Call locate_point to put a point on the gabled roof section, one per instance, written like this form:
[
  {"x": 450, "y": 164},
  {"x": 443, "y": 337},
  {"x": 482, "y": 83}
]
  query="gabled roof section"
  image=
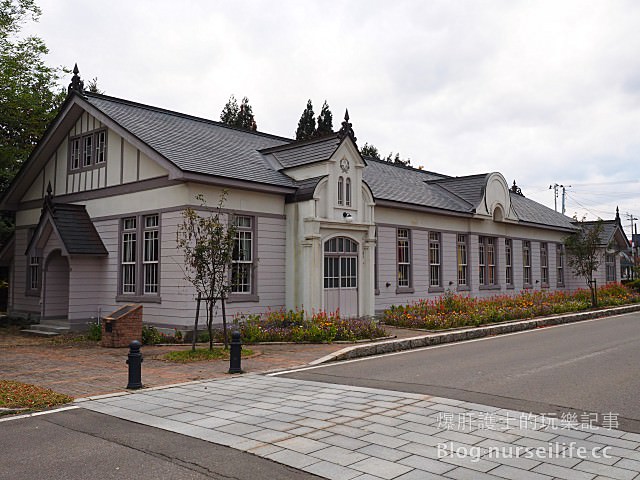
[
  {"x": 306, "y": 189},
  {"x": 194, "y": 144},
  {"x": 397, "y": 183},
  {"x": 612, "y": 232},
  {"x": 303, "y": 153},
  {"x": 73, "y": 226},
  {"x": 469, "y": 188}
]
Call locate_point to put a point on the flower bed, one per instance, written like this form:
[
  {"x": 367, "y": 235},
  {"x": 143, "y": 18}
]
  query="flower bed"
[
  {"x": 452, "y": 310},
  {"x": 298, "y": 326},
  {"x": 18, "y": 396}
]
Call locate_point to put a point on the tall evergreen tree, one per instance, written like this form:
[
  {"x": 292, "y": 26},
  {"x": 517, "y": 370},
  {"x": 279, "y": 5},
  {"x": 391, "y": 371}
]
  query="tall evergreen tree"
[
  {"x": 229, "y": 113},
  {"x": 325, "y": 121},
  {"x": 370, "y": 151},
  {"x": 245, "y": 117},
  {"x": 307, "y": 124},
  {"x": 238, "y": 116}
]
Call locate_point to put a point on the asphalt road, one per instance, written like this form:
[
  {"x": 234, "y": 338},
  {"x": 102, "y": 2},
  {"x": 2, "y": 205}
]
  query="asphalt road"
[
  {"x": 80, "y": 444},
  {"x": 590, "y": 366}
]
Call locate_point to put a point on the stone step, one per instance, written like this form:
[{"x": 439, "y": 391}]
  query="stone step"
[
  {"x": 40, "y": 333},
  {"x": 47, "y": 329}
]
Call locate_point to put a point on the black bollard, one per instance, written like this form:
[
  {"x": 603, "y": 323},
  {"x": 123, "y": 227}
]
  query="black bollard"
[
  {"x": 135, "y": 365},
  {"x": 235, "y": 357}
]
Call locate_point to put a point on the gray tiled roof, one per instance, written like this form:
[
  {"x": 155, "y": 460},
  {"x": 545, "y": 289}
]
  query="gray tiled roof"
[
  {"x": 212, "y": 148},
  {"x": 194, "y": 144},
  {"x": 77, "y": 232},
  {"x": 296, "y": 154},
  {"x": 470, "y": 188},
  {"x": 530, "y": 211},
  {"x": 388, "y": 181},
  {"x": 609, "y": 228}
]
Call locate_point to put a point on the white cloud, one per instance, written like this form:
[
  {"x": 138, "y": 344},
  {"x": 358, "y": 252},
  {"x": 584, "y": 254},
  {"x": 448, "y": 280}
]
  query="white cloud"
[{"x": 543, "y": 91}]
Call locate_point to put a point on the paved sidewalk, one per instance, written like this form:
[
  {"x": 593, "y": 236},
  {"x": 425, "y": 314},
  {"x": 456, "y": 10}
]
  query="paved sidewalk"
[{"x": 343, "y": 432}]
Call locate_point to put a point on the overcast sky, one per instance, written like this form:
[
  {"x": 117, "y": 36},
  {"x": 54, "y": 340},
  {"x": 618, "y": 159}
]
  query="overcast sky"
[{"x": 542, "y": 91}]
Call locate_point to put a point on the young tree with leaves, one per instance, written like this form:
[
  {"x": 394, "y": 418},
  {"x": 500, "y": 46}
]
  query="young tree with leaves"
[
  {"x": 325, "y": 121},
  {"x": 29, "y": 92},
  {"x": 584, "y": 255},
  {"x": 207, "y": 242},
  {"x": 229, "y": 113},
  {"x": 307, "y": 123}
]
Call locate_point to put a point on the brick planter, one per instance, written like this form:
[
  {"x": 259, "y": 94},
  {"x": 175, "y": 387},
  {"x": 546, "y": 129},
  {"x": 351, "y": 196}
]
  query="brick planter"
[{"x": 122, "y": 327}]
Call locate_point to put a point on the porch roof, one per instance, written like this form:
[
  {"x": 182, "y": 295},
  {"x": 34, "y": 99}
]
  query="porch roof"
[{"x": 72, "y": 225}]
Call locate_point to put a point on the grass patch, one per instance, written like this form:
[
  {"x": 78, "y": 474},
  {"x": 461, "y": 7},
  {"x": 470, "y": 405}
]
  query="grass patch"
[
  {"x": 202, "y": 355},
  {"x": 25, "y": 397}
]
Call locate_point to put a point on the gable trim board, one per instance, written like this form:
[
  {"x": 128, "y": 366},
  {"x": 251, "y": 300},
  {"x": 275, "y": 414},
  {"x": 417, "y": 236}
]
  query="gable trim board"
[{"x": 290, "y": 189}]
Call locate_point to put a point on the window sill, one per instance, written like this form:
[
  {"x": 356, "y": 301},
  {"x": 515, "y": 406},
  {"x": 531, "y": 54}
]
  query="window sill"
[
  {"x": 435, "y": 290},
  {"x": 242, "y": 297},
  {"x": 32, "y": 293},
  {"x": 139, "y": 298},
  {"x": 463, "y": 288},
  {"x": 405, "y": 290},
  {"x": 489, "y": 287},
  {"x": 510, "y": 287}
]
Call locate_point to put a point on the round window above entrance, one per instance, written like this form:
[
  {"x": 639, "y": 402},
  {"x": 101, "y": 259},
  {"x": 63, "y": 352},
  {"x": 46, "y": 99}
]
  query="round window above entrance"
[{"x": 340, "y": 245}]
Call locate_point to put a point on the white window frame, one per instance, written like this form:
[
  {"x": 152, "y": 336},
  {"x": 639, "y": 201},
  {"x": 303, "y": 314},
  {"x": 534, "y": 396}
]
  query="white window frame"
[
  {"x": 462, "y": 258},
  {"x": 139, "y": 253},
  {"x": 340, "y": 191},
  {"x": 526, "y": 263},
  {"x": 242, "y": 262},
  {"x": 508, "y": 255},
  {"x": 544, "y": 264},
  {"x": 403, "y": 258},
  {"x": 435, "y": 260},
  {"x": 560, "y": 264},
  {"x": 347, "y": 192}
]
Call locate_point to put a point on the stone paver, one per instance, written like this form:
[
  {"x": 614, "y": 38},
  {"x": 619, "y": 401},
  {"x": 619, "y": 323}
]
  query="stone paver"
[{"x": 399, "y": 436}]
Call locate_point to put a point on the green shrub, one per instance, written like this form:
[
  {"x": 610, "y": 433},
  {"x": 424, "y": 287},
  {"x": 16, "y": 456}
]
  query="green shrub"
[
  {"x": 151, "y": 335},
  {"x": 95, "y": 332}
]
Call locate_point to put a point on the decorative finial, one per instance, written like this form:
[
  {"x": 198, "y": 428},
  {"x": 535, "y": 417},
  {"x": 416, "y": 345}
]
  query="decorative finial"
[
  {"x": 49, "y": 191},
  {"x": 516, "y": 189},
  {"x": 347, "y": 128},
  {"x": 76, "y": 82},
  {"x": 617, "y": 214}
]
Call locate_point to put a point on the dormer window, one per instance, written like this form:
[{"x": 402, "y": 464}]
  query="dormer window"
[
  {"x": 340, "y": 191},
  {"x": 87, "y": 150},
  {"x": 347, "y": 192}
]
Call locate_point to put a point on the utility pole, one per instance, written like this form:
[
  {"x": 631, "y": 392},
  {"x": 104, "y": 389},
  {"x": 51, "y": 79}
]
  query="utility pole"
[
  {"x": 555, "y": 195},
  {"x": 634, "y": 247},
  {"x": 555, "y": 187}
]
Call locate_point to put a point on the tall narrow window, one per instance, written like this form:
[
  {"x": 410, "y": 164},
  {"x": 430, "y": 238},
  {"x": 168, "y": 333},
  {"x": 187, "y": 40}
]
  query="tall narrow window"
[
  {"x": 404, "y": 258},
  {"x": 434, "y": 260},
  {"x": 508, "y": 254},
  {"x": 34, "y": 273},
  {"x": 87, "y": 150},
  {"x": 347, "y": 192},
  {"x": 340, "y": 190},
  {"x": 560, "y": 264},
  {"x": 610, "y": 267},
  {"x": 101, "y": 146},
  {"x": 150, "y": 255},
  {"x": 487, "y": 261},
  {"x": 461, "y": 250},
  {"x": 526, "y": 262},
  {"x": 242, "y": 267},
  {"x": 75, "y": 153},
  {"x": 544, "y": 265},
  {"x": 129, "y": 247}
]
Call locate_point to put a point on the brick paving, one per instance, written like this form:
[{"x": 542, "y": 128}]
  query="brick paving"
[
  {"x": 81, "y": 369},
  {"x": 342, "y": 432}
]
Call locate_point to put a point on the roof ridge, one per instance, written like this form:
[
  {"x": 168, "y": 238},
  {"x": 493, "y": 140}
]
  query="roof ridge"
[
  {"x": 405, "y": 167},
  {"x": 183, "y": 115},
  {"x": 450, "y": 179},
  {"x": 299, "y": 143}
]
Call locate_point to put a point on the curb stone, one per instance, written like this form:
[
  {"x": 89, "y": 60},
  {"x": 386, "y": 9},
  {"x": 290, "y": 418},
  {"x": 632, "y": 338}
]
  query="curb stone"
[{"x": 389, "y": 346}]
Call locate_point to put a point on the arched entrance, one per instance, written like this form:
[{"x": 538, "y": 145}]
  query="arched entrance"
[
  {"x": 55, "y": 284},
  {"x": 340, "y": 276}
]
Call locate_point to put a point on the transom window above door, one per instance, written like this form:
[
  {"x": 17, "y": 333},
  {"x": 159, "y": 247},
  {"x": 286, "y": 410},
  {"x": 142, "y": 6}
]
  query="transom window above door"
[{"x": 340, "y": 245}]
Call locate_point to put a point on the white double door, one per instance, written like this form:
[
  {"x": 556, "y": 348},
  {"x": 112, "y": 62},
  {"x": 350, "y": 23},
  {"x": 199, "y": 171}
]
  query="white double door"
[{"x": 340, "y": 276}]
